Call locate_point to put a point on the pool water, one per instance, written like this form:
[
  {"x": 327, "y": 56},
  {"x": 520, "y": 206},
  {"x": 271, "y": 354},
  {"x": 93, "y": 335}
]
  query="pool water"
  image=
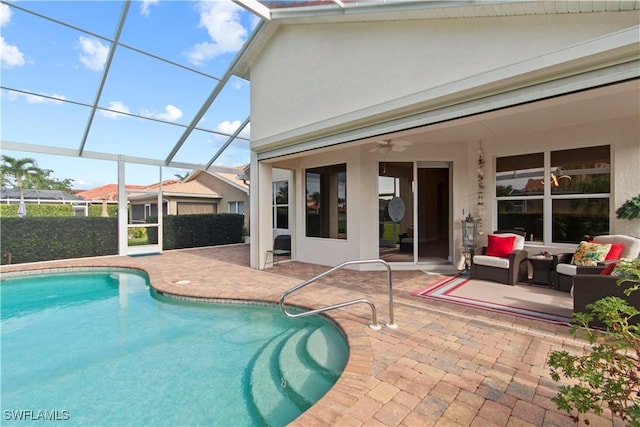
[{"x": 102, "y": 348}]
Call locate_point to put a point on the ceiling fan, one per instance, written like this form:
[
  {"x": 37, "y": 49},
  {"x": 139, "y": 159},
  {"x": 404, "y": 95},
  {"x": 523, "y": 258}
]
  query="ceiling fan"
[{"x": 385, "y": 146}]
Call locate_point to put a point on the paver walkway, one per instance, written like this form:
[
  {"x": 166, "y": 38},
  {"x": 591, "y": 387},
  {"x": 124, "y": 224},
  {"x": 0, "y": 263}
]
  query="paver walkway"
[{"x": 445, "y": 365}]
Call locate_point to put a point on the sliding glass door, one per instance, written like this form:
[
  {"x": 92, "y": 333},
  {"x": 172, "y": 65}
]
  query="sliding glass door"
[
  {"x": 414, "y": 213},
  {"x": 434, "y": 213},
  {"x": 395, "y": 211}
]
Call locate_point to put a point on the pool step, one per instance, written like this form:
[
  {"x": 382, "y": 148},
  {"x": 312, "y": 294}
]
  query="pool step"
[
  {"x": 267, "y": 394},
  {"x": 293, "y": 371},
  {"x": 324, "y": 349},
  {"x": 305, "y": 380}
]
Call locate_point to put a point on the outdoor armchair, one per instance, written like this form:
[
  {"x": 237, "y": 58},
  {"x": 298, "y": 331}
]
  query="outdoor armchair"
[
  {"x": 566, "y": 267},
  {"x": 588, "y": 288},
  {"x": 499, "y": 262}
]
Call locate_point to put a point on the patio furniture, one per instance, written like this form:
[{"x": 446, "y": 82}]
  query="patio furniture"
[
  {"x": 406, "y": 242},
  {"x": 500, "y": 262},
  {"x": 542, "y": 267},
  {"x": 281, "y": 248},
  {"x": 588, "y": 288},
  {"x": 566, "y": 267}
]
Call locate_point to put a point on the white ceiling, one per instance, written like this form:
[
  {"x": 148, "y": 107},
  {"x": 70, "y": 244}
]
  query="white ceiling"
[{"x": 601, "y": 104}]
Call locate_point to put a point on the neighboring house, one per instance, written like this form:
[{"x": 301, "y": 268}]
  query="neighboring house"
[
  {"x": 409, "y": 118},
  {"x": 39, "y": 197},
  {"x": 223, "y": 191}
]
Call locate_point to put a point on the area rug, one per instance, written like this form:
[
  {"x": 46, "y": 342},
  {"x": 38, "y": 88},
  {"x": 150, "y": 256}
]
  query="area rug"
[{"x": 530, "y": 301}]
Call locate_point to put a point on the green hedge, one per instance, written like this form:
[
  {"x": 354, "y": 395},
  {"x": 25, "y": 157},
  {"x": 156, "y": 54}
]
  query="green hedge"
[
  {"x": 192, "y": 231},
  {"x": 11, "y": 211},
  {"x": 32, "y": 239},
  {"x": 96, "y": 210}
]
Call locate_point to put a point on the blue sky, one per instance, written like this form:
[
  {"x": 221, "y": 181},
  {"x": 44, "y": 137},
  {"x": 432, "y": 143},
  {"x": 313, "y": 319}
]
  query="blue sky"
[{"x": 51, "y": 70}]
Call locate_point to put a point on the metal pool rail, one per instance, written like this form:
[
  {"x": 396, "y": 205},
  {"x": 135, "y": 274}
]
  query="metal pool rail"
[{"x": 374, "y": 317}]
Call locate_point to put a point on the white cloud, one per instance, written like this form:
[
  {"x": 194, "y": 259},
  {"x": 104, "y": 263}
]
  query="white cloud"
[
  {"x": 115, "y": 107},
  {"x": 222, "y": 21},
  {"x": 5, "y": 14},
  {"x": 229, "y": 127},
  {"x": 34, "y": 99},
  {"x": 171, "y": 114},
  {"x": 10, "y": 55},
  {"x": 94, "y": 53},
  {"x": 145, "y": 6}
]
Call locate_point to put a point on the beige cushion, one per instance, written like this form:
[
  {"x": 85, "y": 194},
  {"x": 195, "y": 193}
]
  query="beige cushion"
[
  {"x": 631, "y": 248},
  {"x": 491, "y": 261},
  {"x": 567, "y": 269}
]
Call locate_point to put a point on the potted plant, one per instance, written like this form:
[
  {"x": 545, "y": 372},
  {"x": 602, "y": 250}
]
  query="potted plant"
[
  {"x": 629, "y": 209},
  {"x": 609, "y": 374}
]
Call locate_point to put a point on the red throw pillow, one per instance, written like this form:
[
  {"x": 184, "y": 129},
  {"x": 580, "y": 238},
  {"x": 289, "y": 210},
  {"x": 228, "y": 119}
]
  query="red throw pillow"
[
  {"x": 500, "y": 246},
  {"x": 608, "y": 269},
  {"x": 615, "y": 251}
]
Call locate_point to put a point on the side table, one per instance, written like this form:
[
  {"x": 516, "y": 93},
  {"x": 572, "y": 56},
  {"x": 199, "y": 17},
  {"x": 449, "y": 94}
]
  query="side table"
[{"x": 542, "y": 266}]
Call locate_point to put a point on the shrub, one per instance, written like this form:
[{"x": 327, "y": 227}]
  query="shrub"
[
  {"x": 610, "y": 373},
  {"x": 48, "y": 238}
]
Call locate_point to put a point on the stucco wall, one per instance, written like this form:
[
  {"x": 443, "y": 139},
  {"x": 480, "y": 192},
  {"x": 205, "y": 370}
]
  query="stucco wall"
[
  {"x": 362, "y": 167},
  {"x": 362, "y": 197},
  {"x": 228, "y": 192},
  {"x": 620, "y": 134},
  {"x": 327, "y": 70}
]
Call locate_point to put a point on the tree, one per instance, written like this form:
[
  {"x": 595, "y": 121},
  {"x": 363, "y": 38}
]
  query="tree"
[
  {"x": 15, "y": 172},
  {"x": 25, "y": 173},
  {"x": 44, "y": 181}
]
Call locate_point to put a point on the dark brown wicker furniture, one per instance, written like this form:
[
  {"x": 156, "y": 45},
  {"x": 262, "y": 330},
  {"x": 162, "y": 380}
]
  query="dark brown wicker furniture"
[
  {"x": 503, "y": 270},
  {"x": 588, "y": 288},
  {"x": 542, "y": 266},
  {"x": 564, "y": 271}
]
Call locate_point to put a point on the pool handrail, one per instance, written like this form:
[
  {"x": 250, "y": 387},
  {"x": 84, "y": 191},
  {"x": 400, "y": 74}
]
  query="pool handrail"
[{"x": 374, "y": 318}]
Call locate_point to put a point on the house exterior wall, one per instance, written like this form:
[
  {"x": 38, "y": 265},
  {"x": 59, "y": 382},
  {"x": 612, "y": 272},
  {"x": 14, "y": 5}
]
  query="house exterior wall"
[
  {"x": 620, "y": 134},
  {"x": 310, "y": 73},
  {"x": 228, "y": 192},
  {"x": 309, "y": 79}
]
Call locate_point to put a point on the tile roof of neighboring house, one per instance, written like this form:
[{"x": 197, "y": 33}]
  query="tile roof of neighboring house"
[
  {"x": 106, "y": 192},
  {"x": 188, "y": 188},
  {"x": 233, "y": 180},
  {"x": 534, "y": 186}
]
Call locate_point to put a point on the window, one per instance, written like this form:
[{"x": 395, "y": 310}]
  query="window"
[
  {"x": 236, "y": 207},
  {"x": 574, "y": 184},
  {"x": 326, "y": 200},
  {"x": 281, "y": 205}
]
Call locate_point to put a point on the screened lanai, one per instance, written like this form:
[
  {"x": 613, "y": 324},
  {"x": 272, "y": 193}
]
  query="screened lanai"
[{"x": 137, "y": 92}]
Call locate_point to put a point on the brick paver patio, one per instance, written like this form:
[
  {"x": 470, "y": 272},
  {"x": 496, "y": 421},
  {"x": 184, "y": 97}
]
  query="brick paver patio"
[{"x": 445, "y": 364}]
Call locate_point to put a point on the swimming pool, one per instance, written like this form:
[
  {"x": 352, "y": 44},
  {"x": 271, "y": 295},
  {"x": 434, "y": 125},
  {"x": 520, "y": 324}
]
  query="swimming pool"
[{"x": 102, "y": 347}]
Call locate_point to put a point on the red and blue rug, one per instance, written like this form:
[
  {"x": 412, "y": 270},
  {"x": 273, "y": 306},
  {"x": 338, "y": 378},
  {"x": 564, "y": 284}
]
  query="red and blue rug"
[{"x": 532, "y": 302}]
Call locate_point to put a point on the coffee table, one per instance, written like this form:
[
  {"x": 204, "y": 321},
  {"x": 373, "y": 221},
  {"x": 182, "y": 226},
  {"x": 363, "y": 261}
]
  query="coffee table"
[{"x": 542, "y": 266}]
